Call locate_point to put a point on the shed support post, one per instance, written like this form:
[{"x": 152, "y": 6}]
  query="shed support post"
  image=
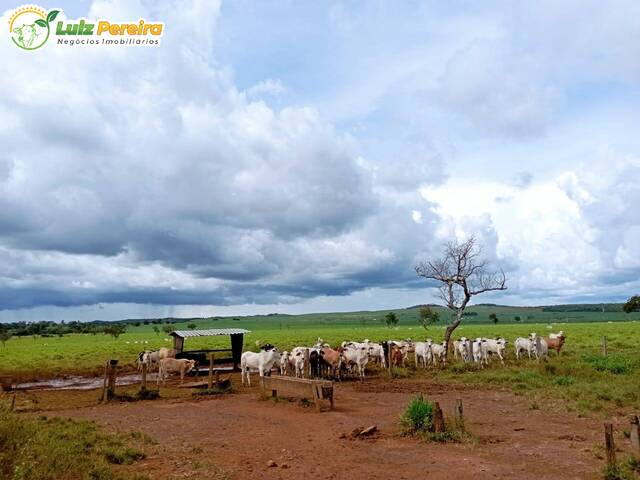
[{"x": 211, "y": 358}]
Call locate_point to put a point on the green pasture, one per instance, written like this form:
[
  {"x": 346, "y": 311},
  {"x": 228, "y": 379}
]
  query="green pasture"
[{"x": 580, "y": 375}]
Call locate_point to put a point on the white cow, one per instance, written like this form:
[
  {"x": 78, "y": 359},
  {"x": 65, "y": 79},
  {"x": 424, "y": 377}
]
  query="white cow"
[
  {"x": 497, "y": 347},
  {"x": 422, "y": 352},
  {"x": 462, "y": 348},
  {"x": 298, "y": 365},
  {"x": 358, "y": 357},
  {"x": 478, "y": 352},
  {"x": 374, "y": 350},
  {"x": 285, "y": 363},
  {"x": 174, "y": 365},
  {"x": 437, "y": 352},
  {"x": 523, "y": 345},
  {"x": 540, "y": 348},
  {"x": 262, "y": 361}
]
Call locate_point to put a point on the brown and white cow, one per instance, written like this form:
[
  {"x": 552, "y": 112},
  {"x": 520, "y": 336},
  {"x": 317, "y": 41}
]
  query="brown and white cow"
[{"x": 174, "y": 365}]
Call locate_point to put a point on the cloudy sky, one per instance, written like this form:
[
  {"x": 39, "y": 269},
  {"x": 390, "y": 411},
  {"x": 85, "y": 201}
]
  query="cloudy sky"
[{"x": 299, "y": 156}]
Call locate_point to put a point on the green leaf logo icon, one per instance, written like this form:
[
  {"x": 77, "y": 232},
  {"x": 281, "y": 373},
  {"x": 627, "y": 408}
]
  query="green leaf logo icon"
[{"x": 51, "y": 16}]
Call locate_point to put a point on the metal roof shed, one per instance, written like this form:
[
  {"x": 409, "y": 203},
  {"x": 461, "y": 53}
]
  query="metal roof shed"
[{"x": 201, "y": 356}]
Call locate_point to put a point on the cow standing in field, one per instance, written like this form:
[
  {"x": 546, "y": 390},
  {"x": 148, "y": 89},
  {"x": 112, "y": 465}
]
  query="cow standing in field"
[
  {"x": 494, "y": 347},
  {"x": 331, "y": 361},
  {"x": 556, "y": 343},
  {"x": 462, "y": 349},
  {"x": 173, "y": 365},
  {"x": 166, "y": 353},
  {"x": 358, "y": 357},
  {"x": 540, "y": 348},
  {"x": 522, "y": 344},
  {"x": 438, "y": 352},
  {"x": 422, "y": 351},
  {"x": 262, "y": 361}
]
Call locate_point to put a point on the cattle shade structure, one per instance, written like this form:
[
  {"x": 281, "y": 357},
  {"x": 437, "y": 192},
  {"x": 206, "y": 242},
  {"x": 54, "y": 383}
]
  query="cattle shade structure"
[{"x": 202, "y": 356}]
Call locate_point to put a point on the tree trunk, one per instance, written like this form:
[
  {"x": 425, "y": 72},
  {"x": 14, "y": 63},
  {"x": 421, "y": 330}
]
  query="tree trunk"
[{"x": 449, "y": 331}]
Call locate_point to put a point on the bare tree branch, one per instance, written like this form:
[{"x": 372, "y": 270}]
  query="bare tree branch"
[{"x": 462, "y": 274}]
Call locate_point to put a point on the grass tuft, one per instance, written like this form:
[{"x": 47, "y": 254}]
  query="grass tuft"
[{"x": 42, "y": 448}]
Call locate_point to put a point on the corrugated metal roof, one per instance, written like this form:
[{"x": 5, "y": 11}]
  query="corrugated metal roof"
[{"x": 209, "y": 333}]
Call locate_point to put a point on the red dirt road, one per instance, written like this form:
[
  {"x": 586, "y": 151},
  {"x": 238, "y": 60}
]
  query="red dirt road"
[{"x": 240, "y": 434}]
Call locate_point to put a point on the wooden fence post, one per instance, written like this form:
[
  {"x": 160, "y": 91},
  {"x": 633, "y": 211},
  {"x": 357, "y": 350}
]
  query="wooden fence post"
[
  {"x": 13, "y": 402},
  {"x": 635, "y": 435},
  {"x": 211, "y": 358},
  {"x": 307, "y": 364},
  {"x": 609, "y": 445},
  {"x": 458, "y": 413},
  {"x": 604, "y": 346},
  {"x": 143, "y": 382},
  {"x": 110, "y": 383},
  {"x": 438, "y": 418},
  {"x": 103, "y": 398}
]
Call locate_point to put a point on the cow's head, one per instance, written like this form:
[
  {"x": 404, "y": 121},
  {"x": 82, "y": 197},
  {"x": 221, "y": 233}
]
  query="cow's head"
[
  {"x": 191, "y": 364},
  {"x": 26, "y": 34}
]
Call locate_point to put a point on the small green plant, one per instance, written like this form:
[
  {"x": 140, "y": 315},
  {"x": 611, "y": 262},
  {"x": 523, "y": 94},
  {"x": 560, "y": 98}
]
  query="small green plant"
[
  {"x": 617, "y": 364},
  {"x": 418, "y": 416},
  {"x": 564, "y": 380}
]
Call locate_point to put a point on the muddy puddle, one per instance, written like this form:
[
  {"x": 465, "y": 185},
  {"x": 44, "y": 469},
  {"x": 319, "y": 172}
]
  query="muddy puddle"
[{"x": 79, "y": 383}]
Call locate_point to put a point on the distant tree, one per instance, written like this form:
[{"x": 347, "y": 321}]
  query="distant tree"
[
  {"x": 136, "y": 324},
  {"x": 517, "y": 318},
  {"x": 391, "y": 319},
  {"x": 167, "y": 329},
  {"x": 462, "y": 274},
  {"x": 632, "y": 305},
  {"x": 146, "y": 322},
  {"x": 115, "y": 329},
  {"x": 192, "y": 326},
  {"x": 493, "y": 317},
  {"x": 4, "y": 336},
  {"x": 156, "y": 329},
  {"x": 427, "y": 316}
]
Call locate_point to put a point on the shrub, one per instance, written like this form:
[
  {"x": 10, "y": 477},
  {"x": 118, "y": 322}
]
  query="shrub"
[
  {"x": 417, "y": 417},
  {"x": 616, "y": 364}
]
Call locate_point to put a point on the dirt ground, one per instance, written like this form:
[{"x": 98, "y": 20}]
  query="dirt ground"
[{"x": 237, "y": 435}]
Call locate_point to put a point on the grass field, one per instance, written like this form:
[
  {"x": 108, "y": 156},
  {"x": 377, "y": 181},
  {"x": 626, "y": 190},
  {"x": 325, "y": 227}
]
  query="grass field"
[{"x": 580, "y": 375}]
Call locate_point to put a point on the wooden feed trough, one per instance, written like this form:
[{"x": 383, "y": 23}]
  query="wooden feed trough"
[{"x": 315, "y": 389}]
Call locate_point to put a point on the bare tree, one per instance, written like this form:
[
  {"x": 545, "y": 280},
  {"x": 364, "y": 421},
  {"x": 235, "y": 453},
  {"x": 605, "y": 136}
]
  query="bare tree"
[{"x": 462, "y": 273}]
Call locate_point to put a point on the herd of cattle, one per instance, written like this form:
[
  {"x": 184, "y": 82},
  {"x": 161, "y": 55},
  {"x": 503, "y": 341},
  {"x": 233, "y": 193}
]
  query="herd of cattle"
[{"x": 353, "y": 357}]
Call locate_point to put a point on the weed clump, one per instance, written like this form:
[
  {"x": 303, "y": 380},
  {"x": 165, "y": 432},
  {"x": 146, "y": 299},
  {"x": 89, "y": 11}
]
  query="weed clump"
[
  {"x": 616, "y": 364},
  {"x": 418, "y": 416}
]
